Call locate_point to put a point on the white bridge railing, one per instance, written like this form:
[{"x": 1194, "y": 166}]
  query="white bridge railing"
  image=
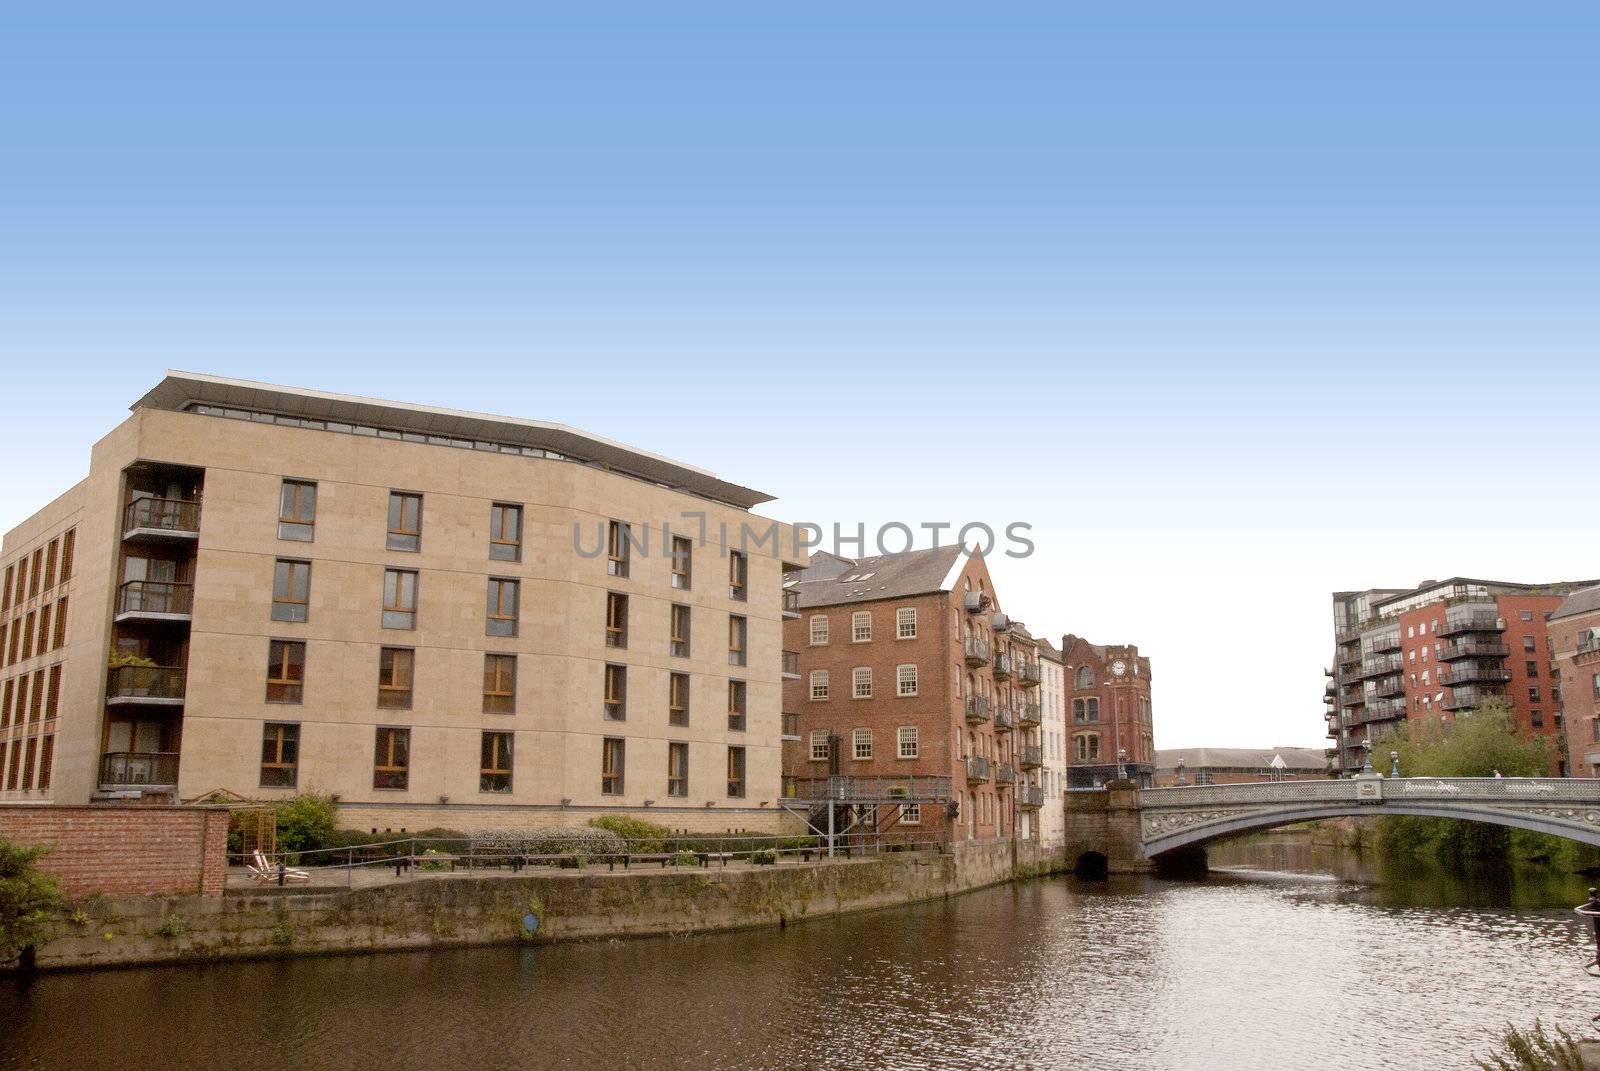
[{"x": 1435, "y": 789}]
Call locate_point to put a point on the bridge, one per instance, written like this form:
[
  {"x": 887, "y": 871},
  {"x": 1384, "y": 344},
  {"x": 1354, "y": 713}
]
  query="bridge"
[{"x": 1131, "y": 826}]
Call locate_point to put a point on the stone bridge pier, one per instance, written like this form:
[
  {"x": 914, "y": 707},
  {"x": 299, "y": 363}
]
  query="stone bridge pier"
[{"x": 1103, "y": 831}]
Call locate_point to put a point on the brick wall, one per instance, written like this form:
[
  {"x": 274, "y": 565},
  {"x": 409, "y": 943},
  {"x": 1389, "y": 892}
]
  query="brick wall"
[{"x": 126, "y": 851}]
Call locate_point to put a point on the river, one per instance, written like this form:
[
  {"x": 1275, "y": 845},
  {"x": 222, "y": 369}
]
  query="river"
[{"x": 1285, "y": 956}]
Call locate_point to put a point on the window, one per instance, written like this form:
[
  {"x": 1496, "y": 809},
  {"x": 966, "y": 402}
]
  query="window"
[
  {"x": 738, "y": 575},
  {"x": 905, "y": 623},
  {"x": 27, "y": 636},
  {"x": 911, "y": 814},
  {"x": 291, "y": 590},
  {"x": 38, "y": 695},
  {"x": 280, "y": 755},
  {"x": 1536, "y": 719},
  {"x": 616, "y": 697},
  {"x": 22, "y": 577},
  {"x": 399, "y": 598},
  {"x": 50, "y": 566},
  {"x": 1528, "y": 644},
  {"x": 394, "y": 677},
  {"x": 861, "y": 683},
  {"x": 861, "y": 626},
  {"x": 505, "y": 532},
  {"x": 499, "y": 684},
  {"x": 1526, "y": 615},
  {"x": 682, "y": 561},
  {"x": 297, "y": 510},
  {"x": 33, "y": 573},
  {"x": 1086, "y": 747},
  {"x": 819, "y": 630},
  {"x": 819, "y": 684},
  {"x": 391, "y": 763},
  {"x": 52, "y": 701},
  {"x": 736, "y": 706},
  {"x": 906, "y": 741},
  {"x": 60, "y": 638},
  {"x": 47, "y": 751},
  {"x": 1532, "y": 668},
  {"x": 1596, "y": 684},
  {"x": 616, "y": 619},
  {"x": 28, "y": 760},
  {"x": 680, "y": 631},
  {"x": 1085, "y": 677},
  {"x": 68, "y": 541},
  {"x": 736, "y": 772},
  {"x": 861, "y": 744},
  {"x": 677, "y": 769},
  {"x": 612, "y": 760},
  {"x": 1533, "y": 693},
  {"x": 286, "y": 671},
  {"x": 678, "y": 699},
  {"x": 502, "y": 607},
  {"x": 736, "y": 640},
  {"x": 618, "y": 538},
  {"x": 1086, "y": 709},
  {"x": 819, "y": 743},
  {"x": 405, "y": 521},
  {"x": 494, "y": 772},
  {"x": 10, "y": 574},
  {"x": 905, "y": 680}
]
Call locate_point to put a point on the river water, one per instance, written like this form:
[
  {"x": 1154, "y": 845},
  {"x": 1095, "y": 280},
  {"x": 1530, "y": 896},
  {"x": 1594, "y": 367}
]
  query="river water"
[{"x": 1285, "y": 956}]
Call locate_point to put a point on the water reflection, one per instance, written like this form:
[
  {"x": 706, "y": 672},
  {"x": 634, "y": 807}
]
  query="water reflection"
[{"x": 1265, "y": 968}]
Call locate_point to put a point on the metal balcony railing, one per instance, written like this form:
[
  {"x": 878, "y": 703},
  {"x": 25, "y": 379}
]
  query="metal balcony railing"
[
  {"x": 135, "y": 769},
  {"x": 1394, "y": 686},
  {"x": 1381, "y": 667},
  {"x": 155, "y": 597},
  {"x": 791, "y": 602},
  {"x": 177, "y": 515},
  {"x": 1467, "y": 698},
  {"x": 1028, "y": 715},
  {"x": 1030, "y": 796},
  {"x": 977, "y": 709},
  {"x": 791, "y": 665},
  {"x": 1454, "y": 652},
  {"x": 1005, "y": 774},
  {"x": 135, "y": 683},
  {"x": 1029, "y": 674},
  {"x": 1004, "y": 721},
  {"x": 977, "y": 652},
  {"x": 977, "y": 768},
  {"x": 1486, "y": 622},
  {"x": 1001, "y": 666},
  {"x": 1474, "y": 673},
  {"x": 1389, "y": 641},
  {"x": 1030, "y": 756}
]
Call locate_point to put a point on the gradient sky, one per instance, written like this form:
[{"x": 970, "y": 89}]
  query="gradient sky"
[{"x": 1235, "y": 303}]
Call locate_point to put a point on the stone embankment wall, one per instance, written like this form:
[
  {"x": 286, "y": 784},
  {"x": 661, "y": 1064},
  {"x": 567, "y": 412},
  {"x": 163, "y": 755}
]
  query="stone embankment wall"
[
  {"x": 126, "y": 851},
  {"x": 445, "y": 910}
]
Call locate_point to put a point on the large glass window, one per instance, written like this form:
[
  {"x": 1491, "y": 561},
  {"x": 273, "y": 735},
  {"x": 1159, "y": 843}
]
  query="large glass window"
[
  {"x": 494, "y": 773},
  {"x": 291, "y": 590},
  {"x": 502, "y": 607},
  {"x": 286, "y": 671},
  {"x": 391, "y": 766},
  {"x": 280, "y": 755},
  {"x": 399, "y": 599},
  {"x": 505, "y": 532},
  {"x": 297, "y": 510},
  {"x": 405, "y": 521},
  {"x": 499, "y": 684},
  {"x": 394, "y": 677}
]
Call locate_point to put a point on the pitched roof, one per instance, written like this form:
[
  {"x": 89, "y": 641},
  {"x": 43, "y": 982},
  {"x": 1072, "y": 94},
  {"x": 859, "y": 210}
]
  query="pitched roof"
[
  {"x": 831, "y": 580},
  {"x": 1251, "y": 758},
  {"x": 1584, "y": 601}
]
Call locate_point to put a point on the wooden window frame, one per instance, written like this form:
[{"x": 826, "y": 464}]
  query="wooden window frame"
[
  {"x": 400, "y": 697},
  {"x": 388, "y": 774},
  {"x": 397, "y": 614},
  {"x": 738, "y": 706},
  {"x": 857, "y": 681},
  {"x": 682, "y": 554},
  {"x": 287, "y": 608},
  {"x": 505, "y": 545},
  {"x": 738, "y": 772},
  {"x": 613, "y": 765},
  {"x": 400, "y": 537},
  {"x": 499, "y": 684},
  {"x": 619, "y": 538},
  {"x": 861, "y": 626},
  {"x": 907, "y": 735},
  {"x": 678, "y": 689},
  {"x": 501, "y": 619},
  {"x": 679, "y": 645},
  {"x": 819, "y": 737},
  {"x": 496, "y": 757},
  {"x": 677, "y": 769},
  {"x": 738, "y": 640},
  {"x": 811, "y": 630},
  {"x": 901, "y": 679},
  {"x": 617, "y": 620},
  {"x": 861, "y": 744},
  {"x": 614, "y": 689},
  {"x": 905, "y": 623},
  {"x": 818, "y": 694},
  {"x": 738, "y": 576},
  {"x": 289, "y": 689},
  {"x": 297, "y": 521},
  {"x": 277, "y": 741}
]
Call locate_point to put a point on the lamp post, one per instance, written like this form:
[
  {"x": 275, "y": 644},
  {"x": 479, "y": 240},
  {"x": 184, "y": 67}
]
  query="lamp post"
[
  {"x": 1367, "y": 767},
  {"x": 1122, "y": 761},
  {"x": 1180, "y": 771},
  {"x": 1394, "y": 764}
]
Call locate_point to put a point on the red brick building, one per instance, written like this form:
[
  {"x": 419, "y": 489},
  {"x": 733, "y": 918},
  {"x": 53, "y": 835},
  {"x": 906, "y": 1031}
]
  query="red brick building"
[
  {"x": 1430, "y": 653},
  {"x": 1109, "y": 726},
  {"x": 1575, "y": 651},
  {"x": 910, "y": 677}
]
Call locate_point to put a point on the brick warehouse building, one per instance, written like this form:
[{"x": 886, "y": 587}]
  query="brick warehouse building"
[
  {"x": 1109, "y": 717},
  {"x": 1575, "y": 651},
  {"x": 1431, "y": 652},
  {"x": 908, "y": 668},
  {"x": 445, "y": 618}
]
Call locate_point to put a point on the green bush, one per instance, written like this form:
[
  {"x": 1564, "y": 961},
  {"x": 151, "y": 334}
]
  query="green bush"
[
  {"x": 685, "y": 858},
  {"x": 1534, "y": 1050},
  {"x": 305, "y": 823},
  {"x": 582, "y": 842},
  {"x": 641, "y": 836},
  {"x": 30, "y": 899}
]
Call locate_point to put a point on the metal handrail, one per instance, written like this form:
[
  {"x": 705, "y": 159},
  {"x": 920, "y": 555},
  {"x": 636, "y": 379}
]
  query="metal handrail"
[
  {"x": 139, "y": 768},
  {"x": 155, "y": 597},
  {"x": 163, "y": 514},
  {"x": 145, "y": 682},
  {"x": 1526, "y": 789}
]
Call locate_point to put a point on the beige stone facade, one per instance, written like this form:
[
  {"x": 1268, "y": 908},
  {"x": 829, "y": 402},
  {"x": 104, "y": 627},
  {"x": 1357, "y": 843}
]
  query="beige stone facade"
[{"x": 202, "y": 679}]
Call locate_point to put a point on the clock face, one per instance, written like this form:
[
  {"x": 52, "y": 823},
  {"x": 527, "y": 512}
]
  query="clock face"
[{"x": 1119, "y": 667}]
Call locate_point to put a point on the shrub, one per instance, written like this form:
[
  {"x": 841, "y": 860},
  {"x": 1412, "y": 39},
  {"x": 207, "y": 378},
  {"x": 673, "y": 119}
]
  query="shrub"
[
  {"x": 434, "y": 865},
  {"x": 641, "y": 836},
  {"x": 1535, "y": 1050},
  {"x": 29, "y": 899},
  {"x": 685, "y": 858},
  {"x": 764, "y": 856},
  {"x": 585, "y": 842},
  {"x": 305, "y": 823}
]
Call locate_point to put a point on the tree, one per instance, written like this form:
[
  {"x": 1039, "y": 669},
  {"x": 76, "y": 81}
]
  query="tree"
[
  {"x": 29, "y": 899},
  {"x": 1476, "y": 744}
]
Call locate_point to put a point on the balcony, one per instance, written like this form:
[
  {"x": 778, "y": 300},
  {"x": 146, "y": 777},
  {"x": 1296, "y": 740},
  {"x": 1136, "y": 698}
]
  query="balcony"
[
  {"x": 1473, "y": 649},
  {"x": 977, "y": 651},
  {"x": 975, "y": 601},
  {"x": 791, "y": 665},
  {"x": 154, "y": 600},
  {"x": 1029, "y": 675},
  {"x": 1474, "y": 673},
  {"x": 161, "y": 518},
  {"x": 1389, "y": 641},
  {"x": 1004, "y": 720},
  {"x": 1392, "y": 687},
  {"x": 1467, "y": 698},
  {"x": 791, "y": 603},
  {"x": 1487, "y": 622},
  {"x": 1001, "y": 667},
  {"x": 139, "y": 769},
  {"x": 152, "y": 685},
  {"x": 1030, "y": 797},
  {"x": 977, "y": 709},
  {"x": 1379, "y": 710},
  {"x": 1380, "y": 667},
  {"x": 977, "y": 770},
  {"x": 1028, "y": 716},
  {"x": 1030, "y": 756},
  {"x": 1005, "y": 774}
]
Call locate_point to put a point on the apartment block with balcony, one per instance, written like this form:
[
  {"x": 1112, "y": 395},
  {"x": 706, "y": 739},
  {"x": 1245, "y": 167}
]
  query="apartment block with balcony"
[
  {"x": 1575, "y": 650},
  {"x": 1110, "y": 717},
  {"x": 910, "y": 675},
  {"x": 444, "y": 618},
  {"x": 1432, "y": 653}
]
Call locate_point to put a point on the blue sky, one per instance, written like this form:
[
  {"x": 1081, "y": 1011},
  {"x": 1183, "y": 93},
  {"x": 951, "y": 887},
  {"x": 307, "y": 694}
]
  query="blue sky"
[{"x": 1235, "y": 304}]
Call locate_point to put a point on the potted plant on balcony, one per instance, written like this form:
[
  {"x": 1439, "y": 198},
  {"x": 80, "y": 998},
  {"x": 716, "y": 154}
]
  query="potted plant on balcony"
[{"x": 140, "y": 679}]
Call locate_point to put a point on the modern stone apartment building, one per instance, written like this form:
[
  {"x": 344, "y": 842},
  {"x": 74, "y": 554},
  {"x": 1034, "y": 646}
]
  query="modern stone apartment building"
[
  {"x": 1428, "y": 653},
  {"x": 910, "y": 674},
  {"x": 443, "y": 618},
  {"x": 1575, "y": 650},
  {"x": 1109, "y": 707}
]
